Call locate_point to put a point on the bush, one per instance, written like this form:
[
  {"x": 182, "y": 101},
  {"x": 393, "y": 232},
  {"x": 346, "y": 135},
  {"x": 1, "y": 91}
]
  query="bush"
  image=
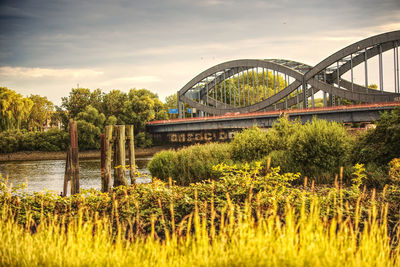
[
  {"x": 52, "y": 140},
  {"x": 382, "y": 144},
  {"x": 319, "y": 148},
  {"x": 245, "y": 187},
  {"x": 284, "y": 129},
  {"x": 143, "y": 140},
  {"x": 9, "y": 141},
  {"x": 190, "y": 164},
  {"x": 394, "y": 171},
  {"x": 277, "y": 158},
  {"x": 161, "y": 166},
  {"x": 377, "y": 176},
  {"x": 252, "y": 144}
]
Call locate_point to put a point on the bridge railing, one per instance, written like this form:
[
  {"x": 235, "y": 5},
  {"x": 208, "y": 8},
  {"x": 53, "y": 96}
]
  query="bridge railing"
[{"x": 279, "y": 112}]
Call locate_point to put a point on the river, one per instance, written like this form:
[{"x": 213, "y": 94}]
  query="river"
[{"x": 43, "y": 175}]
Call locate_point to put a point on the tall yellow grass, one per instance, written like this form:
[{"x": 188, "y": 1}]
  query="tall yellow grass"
[{"x": 243, "y": 237}]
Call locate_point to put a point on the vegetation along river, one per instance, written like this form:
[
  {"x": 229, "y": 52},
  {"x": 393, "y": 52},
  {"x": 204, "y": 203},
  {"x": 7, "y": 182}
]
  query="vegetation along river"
[{"x": 42, "y": 175}]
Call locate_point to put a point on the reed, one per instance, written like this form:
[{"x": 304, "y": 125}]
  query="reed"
[{"x": 243, "y": 236}]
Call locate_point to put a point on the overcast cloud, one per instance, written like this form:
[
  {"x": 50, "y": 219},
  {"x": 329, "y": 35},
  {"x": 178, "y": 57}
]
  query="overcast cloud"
[{"x": 50, "y": 46}]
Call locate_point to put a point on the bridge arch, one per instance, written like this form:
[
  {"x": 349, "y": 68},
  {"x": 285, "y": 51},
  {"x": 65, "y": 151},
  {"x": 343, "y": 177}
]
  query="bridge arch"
[{"x": 250, "y": 85}]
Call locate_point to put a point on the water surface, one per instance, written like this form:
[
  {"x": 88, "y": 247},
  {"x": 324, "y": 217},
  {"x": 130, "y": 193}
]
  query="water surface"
[{"x": 42, "y": 175}]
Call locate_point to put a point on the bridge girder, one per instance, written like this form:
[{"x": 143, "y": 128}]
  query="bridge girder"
[{"x": 304, "y": 79}]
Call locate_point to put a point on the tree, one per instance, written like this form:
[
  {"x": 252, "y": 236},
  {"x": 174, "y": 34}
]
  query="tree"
[
  {"x": 113, "y": 103},
  {"x": 90, "y": 125},
  {"x": 140, "y": 107},
  {"x": 79, "y": 99},
  {"x": 250, "y": 85},
  {"x": 171, "y": 101},
  {"x": 60, "y": 116},
  {"x": 14, "y": 109},
  {"x": 93, "y": 116},
  {"x": 41, "y": 111}
]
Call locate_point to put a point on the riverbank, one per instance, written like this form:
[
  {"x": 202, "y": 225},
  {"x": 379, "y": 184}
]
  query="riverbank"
[{"x": 42, "y": 155}]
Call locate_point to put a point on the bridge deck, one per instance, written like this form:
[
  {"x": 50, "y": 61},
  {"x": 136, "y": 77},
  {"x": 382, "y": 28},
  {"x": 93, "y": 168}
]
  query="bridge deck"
[
  {"x": 222, "y": 128},
  {"x": 292, "y": 112}
]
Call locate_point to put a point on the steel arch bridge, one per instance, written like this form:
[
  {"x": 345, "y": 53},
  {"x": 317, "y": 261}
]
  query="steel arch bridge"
[{"x": 252, "y": 85}]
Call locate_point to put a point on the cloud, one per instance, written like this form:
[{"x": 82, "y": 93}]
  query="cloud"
[
  {"x": 53, "y": 45},
  {"x": 23, "y": 72},
  {"x": 129, "y": 80}
]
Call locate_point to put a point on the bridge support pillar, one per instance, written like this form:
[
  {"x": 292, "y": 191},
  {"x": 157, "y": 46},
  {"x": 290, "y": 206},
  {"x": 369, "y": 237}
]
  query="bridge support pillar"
[
  {"x": 179, "y": 105},
  {"x": 331, "y": 100},
  {"x": 305, "y": 94}
]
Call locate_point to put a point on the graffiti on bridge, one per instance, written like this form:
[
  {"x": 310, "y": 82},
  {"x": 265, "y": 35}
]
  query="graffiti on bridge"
[{"x": 197, "y": 137}]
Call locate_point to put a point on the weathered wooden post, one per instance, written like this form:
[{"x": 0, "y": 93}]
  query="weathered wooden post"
[
  {"x": 119, "y": 169},
  {"x": 67, "y": 175},
  {"x": 106, "y": 179},
  {"x": 131, "y": 145},
  {"x": 103, "y": 162},
  {"x": 73, "y": 132}
]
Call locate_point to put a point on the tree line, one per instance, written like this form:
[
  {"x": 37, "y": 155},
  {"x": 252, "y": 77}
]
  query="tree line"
[
  {"x": 24, "y": 118},
  {"x": 18, "y": 112}
]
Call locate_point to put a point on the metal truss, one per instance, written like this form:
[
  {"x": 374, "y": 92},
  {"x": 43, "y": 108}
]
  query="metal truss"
[{"x": 251, "y": 85}]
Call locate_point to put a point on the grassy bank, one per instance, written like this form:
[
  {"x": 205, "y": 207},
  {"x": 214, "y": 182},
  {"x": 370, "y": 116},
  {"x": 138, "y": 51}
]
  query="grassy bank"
[
  {"x": 246, "y": 219},
  {"x": 302, "y": 240}
]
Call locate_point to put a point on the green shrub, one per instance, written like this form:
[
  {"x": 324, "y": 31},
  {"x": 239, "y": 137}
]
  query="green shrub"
[
  {"x": 319, "y": 148},
  {"x": 246, "y": 186},
  {"x": 143, "y": 140},
  {"x": 283, "y": 129},
  {"x": 190, "y": 164},
  {"x": 394, "y": 171},
  {"x": 277, "y": 158},
  {"x": 9, "y": 141},
  {"x": 252, "y": 144},
  {"x": 382, "y": 144},
  {"x": 51, "y": 140},
  {"x": 161, "y": 166}
]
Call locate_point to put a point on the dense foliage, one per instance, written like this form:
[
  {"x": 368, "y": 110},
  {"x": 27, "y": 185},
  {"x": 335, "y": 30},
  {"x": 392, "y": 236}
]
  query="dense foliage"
[
  {"x": 252, "y": 144},
  {"x": 319, "y": 148},
  {"x": 92, "y": 109},
  {"x": 191, "y": 164},
  {"x": 14, "y": 109},
  {"x": 265, "y": 188},
  {"x": 250, "y": 216},
  {"x": 316, "y": 149},
  {"x": 382, "y": 144},
  {"x": 51, "y": 140}
]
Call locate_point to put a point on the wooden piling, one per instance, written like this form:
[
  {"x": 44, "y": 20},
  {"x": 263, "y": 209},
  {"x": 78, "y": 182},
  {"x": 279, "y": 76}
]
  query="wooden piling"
[
  {"x": 108, "y": 156},
  {"x": 103, "y": 162},
  {"x": 119, "y": 171},
  {"x": 67, "y": 174},
  {"x": 73, "y": 131},
  {"x": 131, "y": 146}
]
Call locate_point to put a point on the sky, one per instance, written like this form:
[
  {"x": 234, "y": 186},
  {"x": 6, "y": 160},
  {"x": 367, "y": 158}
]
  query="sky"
[{"x": 48, "y": 47}]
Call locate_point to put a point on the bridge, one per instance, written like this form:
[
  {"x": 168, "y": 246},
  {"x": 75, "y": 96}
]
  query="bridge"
[{"x": 241, "y": 93}]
